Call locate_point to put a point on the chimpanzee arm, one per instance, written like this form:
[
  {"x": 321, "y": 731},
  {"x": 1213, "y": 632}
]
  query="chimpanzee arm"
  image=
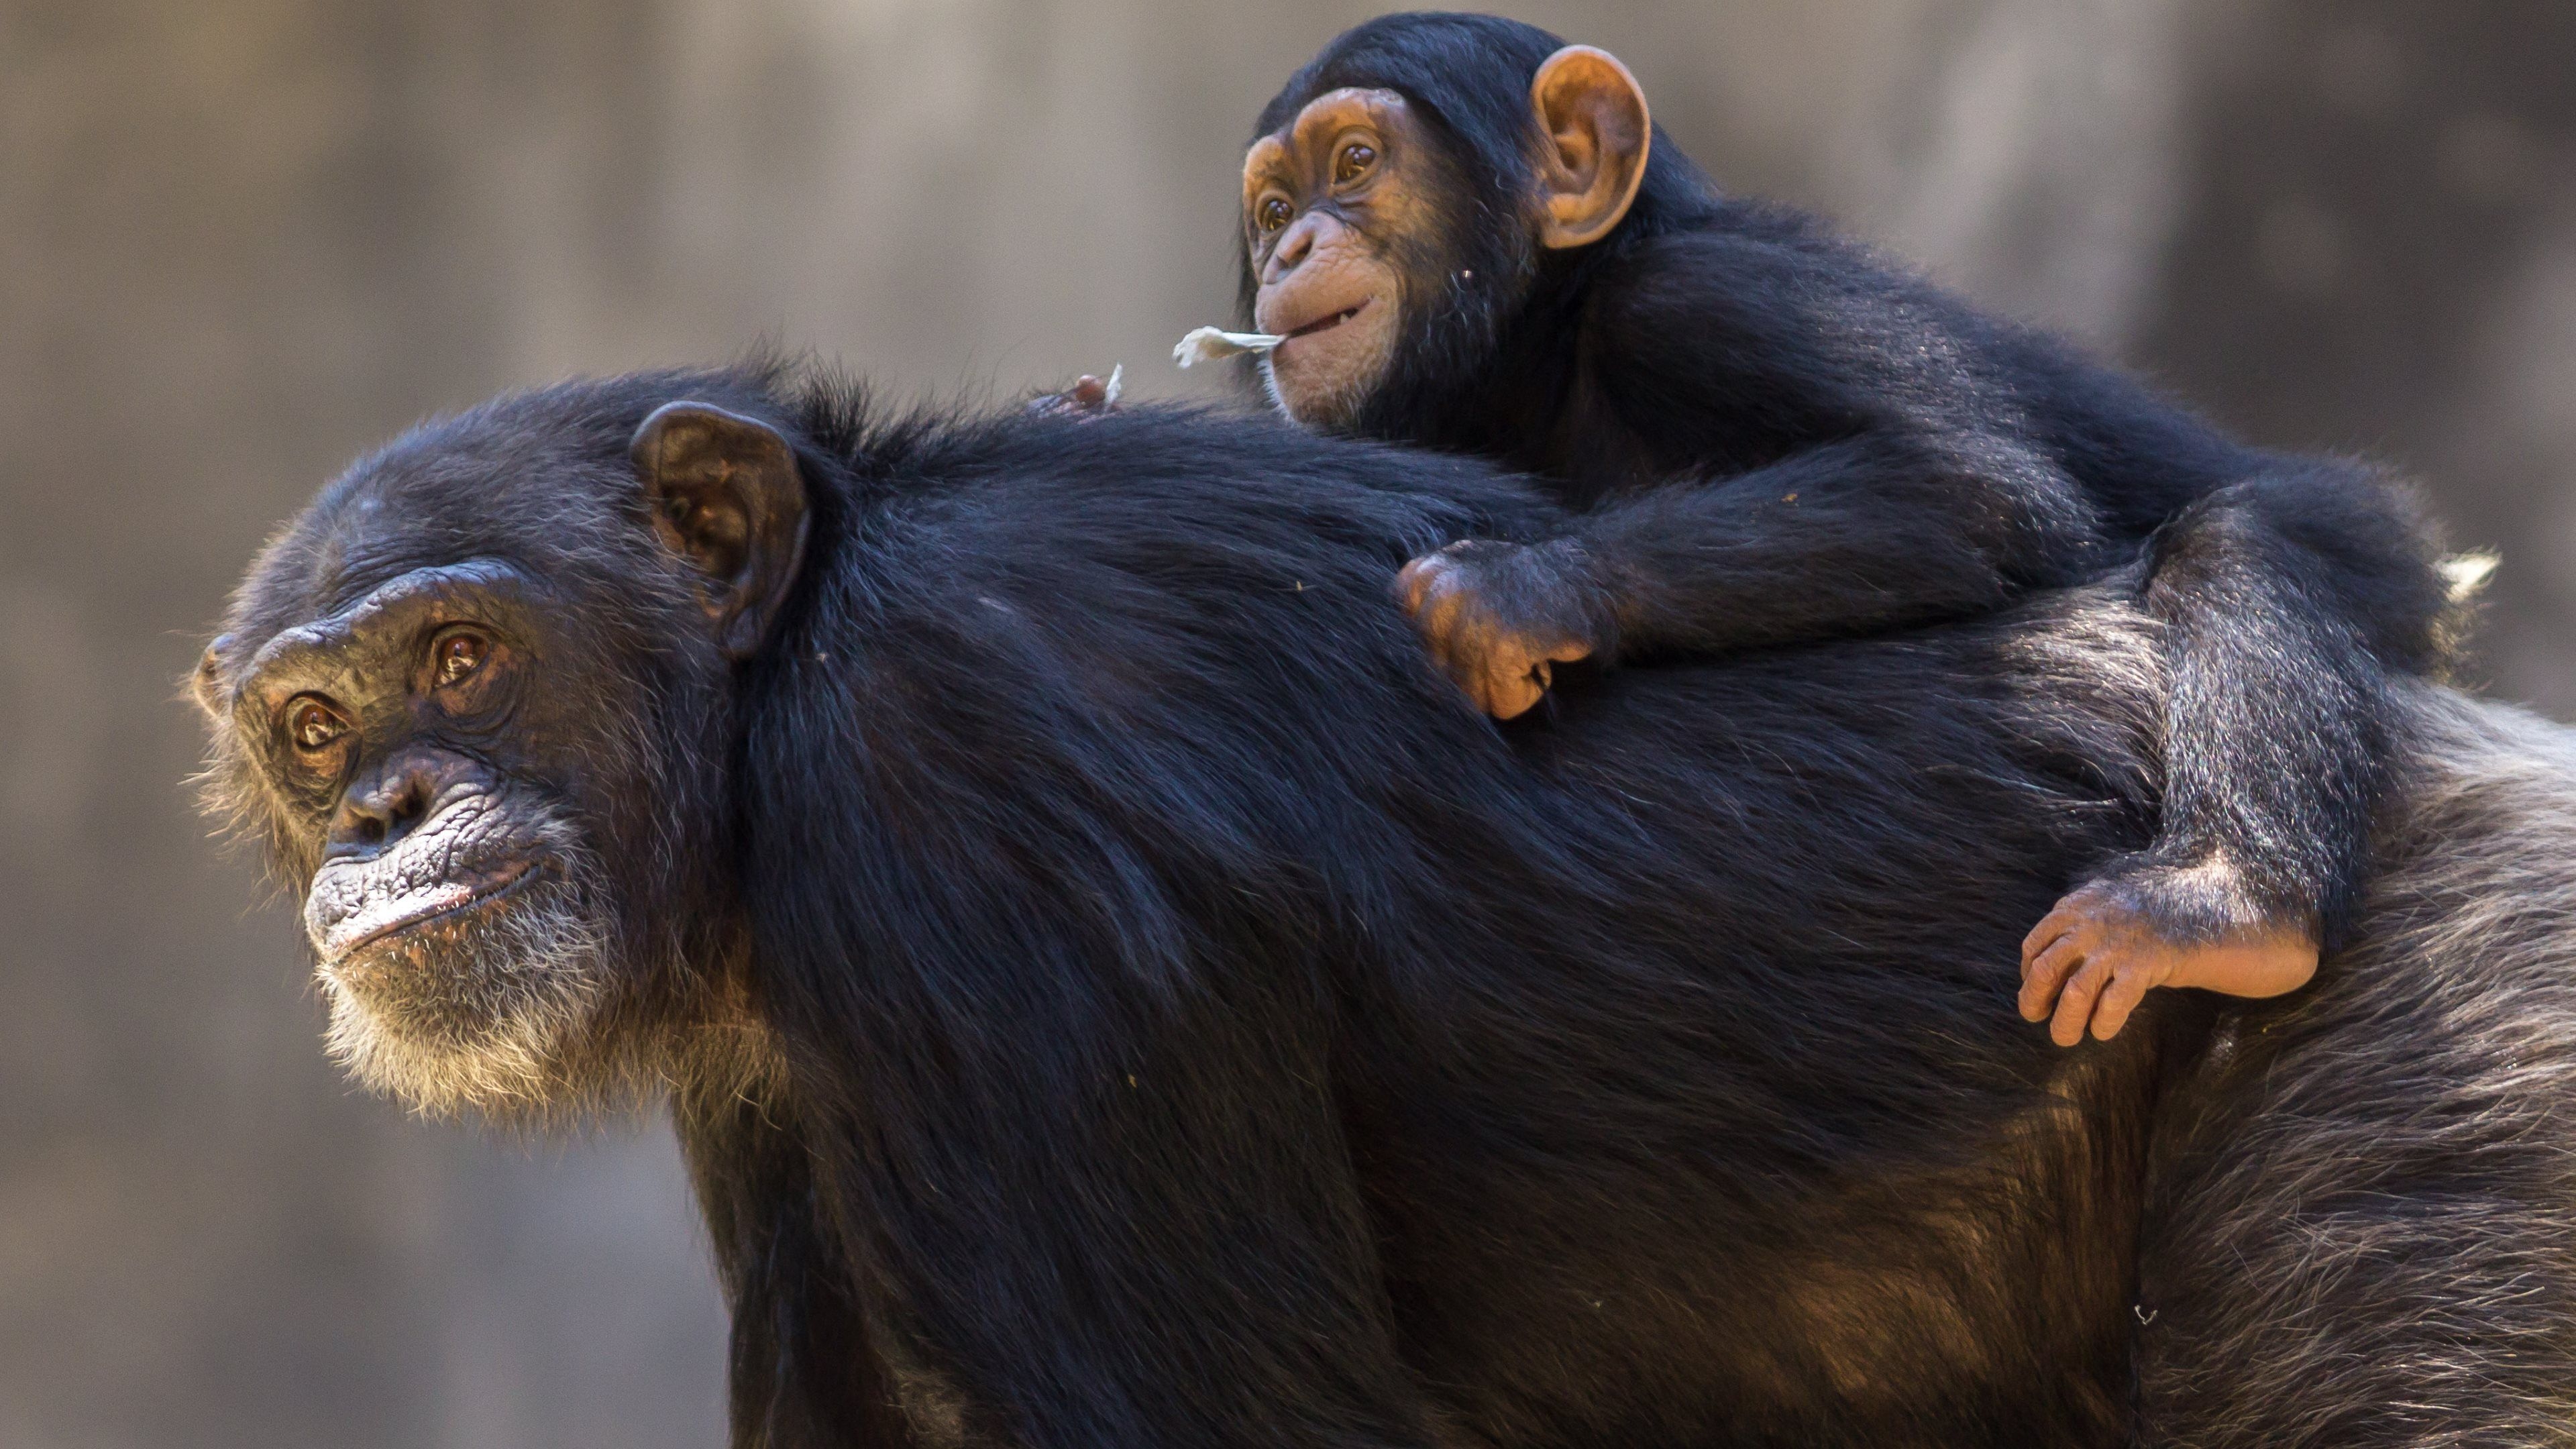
[
  {"x": 1095, "y": 1233},
  {"x": 803, "y": 1372},
  {"x": 1086, "y": 1134},
  {"x": 1785, "y": 442},
  {"x": 1849, "y": 448},
  {"x": 1877, "y": 531},
  {"x": 1896, "y": 525}
]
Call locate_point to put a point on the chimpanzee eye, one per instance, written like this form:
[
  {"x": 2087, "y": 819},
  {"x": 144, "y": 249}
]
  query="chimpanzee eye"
[
  {"x": 1354, "y": 158},
  {"x": 313, "y": 724},
  {"x": 456, "y": 656},
  {"x": 1273, "y": 213}
]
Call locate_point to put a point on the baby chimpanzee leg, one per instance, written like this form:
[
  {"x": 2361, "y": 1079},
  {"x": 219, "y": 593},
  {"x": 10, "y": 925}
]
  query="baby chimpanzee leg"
[{"x": 2289, "y": 599}]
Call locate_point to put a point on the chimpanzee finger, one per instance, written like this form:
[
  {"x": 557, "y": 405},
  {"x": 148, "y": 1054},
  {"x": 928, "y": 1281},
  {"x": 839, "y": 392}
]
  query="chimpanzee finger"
[
  {"x": 2044, "y": 976},
  {"x": 1448, "y": 653},
  {"x": 2129, "y": 986},
  {"x": 1439, "y": 617},
  {"x": 2075, "y": 1006},
  {"x": 1413, "y": 582},
  {"x": 1514, "y": 687},
  {"x": 1464, "y": 668},
  {"x": 2061, "y": 918}
]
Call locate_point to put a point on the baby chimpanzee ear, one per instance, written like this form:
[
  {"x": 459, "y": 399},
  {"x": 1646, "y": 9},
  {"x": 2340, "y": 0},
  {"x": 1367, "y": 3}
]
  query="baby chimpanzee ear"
[
  {"x": 724, "y": 494},
  {"x": 1593, "y": 113}
]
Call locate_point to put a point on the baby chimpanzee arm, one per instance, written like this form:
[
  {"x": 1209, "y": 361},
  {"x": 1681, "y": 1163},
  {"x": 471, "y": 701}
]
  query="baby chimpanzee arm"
[
  {"x": 1878, "y": 531},
  {"x": 1780, "y": 444},
  {"x": 1854, "y": 537}
]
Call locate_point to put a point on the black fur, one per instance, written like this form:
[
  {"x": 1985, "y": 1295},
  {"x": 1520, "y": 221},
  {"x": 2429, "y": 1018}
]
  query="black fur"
[{"x": 1780, "y": 437}]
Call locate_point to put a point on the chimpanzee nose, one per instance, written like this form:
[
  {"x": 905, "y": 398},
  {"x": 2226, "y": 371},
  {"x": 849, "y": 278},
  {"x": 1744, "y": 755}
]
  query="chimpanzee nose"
[
  {"x": 1293, "y": 247},
  {"x": 376, "y": 812}
]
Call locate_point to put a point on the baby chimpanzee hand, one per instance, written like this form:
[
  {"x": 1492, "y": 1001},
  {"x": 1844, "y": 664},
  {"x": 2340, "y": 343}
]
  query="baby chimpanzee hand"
[
  {"x": 2108, "y": 943},
  {"x": 1497, "y": 615}
]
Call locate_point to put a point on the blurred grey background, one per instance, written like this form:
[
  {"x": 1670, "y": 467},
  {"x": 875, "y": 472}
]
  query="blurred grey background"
[{"x": 242, "y": 239}]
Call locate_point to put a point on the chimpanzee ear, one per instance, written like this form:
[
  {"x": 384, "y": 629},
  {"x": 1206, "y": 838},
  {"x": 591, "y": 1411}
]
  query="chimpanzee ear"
[
  {"x": 725, "y": 495},
  {"x": 1593, "y": 114},
  {"x": 206, "y": 681}
]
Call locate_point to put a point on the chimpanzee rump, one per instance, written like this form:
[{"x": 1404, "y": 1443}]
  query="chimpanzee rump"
[
  {"x": 1473, "y": 239},
  {"x": 1113, "y": 992}
]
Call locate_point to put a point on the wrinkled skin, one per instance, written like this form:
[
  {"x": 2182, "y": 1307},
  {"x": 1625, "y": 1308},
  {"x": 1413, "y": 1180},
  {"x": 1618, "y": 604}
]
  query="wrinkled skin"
[
  {"x": 1498, "y": 616},
  {"x": 485, "y": 777}
]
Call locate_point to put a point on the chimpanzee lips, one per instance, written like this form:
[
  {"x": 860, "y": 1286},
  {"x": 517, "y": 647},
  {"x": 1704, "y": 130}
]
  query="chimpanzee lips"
[
  {"x": 1330, "y": 320},
  {"x": 378, "y": 919}
]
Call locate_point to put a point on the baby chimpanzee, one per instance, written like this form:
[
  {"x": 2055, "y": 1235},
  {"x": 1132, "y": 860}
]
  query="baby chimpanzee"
[{"x": 1460, "y": 232}]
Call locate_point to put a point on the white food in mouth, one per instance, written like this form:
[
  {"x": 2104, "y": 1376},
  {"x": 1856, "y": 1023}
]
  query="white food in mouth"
[{"x": 1209, "y": 344}]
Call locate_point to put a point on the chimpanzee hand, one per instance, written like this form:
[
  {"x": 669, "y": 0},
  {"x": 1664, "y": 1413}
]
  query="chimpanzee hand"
[
  {"x": 2108, "y": 943},
  {"x": 1496, "y": 616},
  {"x": 1089, "y": 397}
]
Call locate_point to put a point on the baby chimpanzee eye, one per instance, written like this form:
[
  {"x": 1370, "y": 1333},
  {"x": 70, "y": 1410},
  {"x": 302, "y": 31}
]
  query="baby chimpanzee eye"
[
  {"x": 313, "y": 724},
  {"x": 1273, "y": 214},
  {"x": 456, "y": 656},
  {"x": 1354, "y": 159}
]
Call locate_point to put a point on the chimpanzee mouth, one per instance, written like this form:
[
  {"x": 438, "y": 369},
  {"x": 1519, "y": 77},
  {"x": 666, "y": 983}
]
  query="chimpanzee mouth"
[
  {"x": 1326, "y": 323},
  {"x": 380, "y": 921}
]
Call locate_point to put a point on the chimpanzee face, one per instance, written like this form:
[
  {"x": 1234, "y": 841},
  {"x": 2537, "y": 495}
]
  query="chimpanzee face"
[
  {"x": 1331, "y": 209},
  {"x": 425, "y": 754},
  {"x": 1366, "y": 225},
  {"x": 496, "y": 778}
]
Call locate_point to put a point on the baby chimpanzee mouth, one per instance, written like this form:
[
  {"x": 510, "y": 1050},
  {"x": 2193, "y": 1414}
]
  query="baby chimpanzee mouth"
[{"x": 1326, "y": 323}]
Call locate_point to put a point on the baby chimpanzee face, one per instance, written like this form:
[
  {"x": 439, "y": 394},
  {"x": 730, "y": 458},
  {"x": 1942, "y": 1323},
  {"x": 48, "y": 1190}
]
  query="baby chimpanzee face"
[
  {"x": 1365, "y": 223},
  {"x": 1328, "y": 205}
]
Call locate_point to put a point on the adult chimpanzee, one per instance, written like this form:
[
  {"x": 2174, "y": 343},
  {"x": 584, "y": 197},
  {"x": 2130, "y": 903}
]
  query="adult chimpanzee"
[
  {"x": 1473, "y": 238},
  {"x": 1113, "y": 993}
]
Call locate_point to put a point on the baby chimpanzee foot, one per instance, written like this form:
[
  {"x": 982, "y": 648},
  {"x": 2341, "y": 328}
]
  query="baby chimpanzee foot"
[
  {"x": 1497, "y": 616},
  {"x": 2094, "y": 957}
]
